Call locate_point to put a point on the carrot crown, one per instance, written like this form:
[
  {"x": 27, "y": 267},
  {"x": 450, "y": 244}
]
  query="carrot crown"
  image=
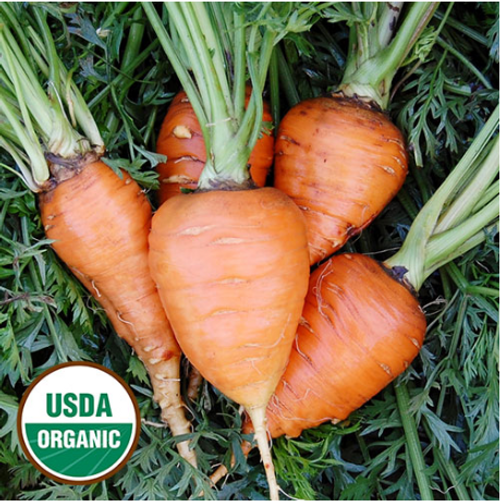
[
  {"x": 377, "y": 49},
  {"x": 214, "y": 48},
  {"x": 35, "y": 122},
  {"x": 456, "y": 218}
]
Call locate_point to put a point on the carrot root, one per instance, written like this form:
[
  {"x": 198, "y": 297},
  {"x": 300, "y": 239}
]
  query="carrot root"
[
  {"x": 222, "y": 470},
  {"x": 165, "y": 380},
  {"x": 258, "y": 416}
]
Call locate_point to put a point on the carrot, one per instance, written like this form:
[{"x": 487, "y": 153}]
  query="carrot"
[
  {"x": 340, "y": 158},
  {"x": 181, "y": 140},
  {"x": 362, "y": 324},
  {"x": 100, "y": 224},
  {"x": 99, "y": 221},
  {"x": 230, "y": 260},
  {"x": 233, "y": 278}
]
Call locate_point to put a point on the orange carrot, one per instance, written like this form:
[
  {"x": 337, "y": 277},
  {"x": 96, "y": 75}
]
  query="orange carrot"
[
  {"x": 339, "y": 157},
  {"x": 232, "y": 270},
  {"x": 181, "y": 140},
  {"x": 230, "y": 260},
  {"x": 359, "y": 330},
  {"x": 99, "y": 221},
  {"x": 100, "y": 224},
  {"x": 341, "y": 161}
]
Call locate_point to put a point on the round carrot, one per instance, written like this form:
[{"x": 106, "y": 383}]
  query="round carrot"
[
  {"x": 230, "y": 260},
  {"x": 350, "y": 344},
  {"x": 232, "y": 271},
  {"x": 340, "y": 158},
  {"x": 341, "y": 161},
  {"x": 181, "y": 140}
]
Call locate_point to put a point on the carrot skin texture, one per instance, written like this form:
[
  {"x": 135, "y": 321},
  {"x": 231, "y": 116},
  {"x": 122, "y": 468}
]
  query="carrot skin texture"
[
  {"x": 100, "y": 223},
  {"x": 181, "y": 140},
  {"x": 341, "y": 162},
  {"x": 232, "y": 272},
  {"x": 360, "y": 329}
]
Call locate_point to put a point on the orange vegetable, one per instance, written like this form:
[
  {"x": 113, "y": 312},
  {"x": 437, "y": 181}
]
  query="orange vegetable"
[
  {"x": 232, "y": 272},
  {"x": 341, "y": 161},
  {"x": 100, "y": 224},
  {"x": 360, "y": 328},
  {"x": 230, "y": 260},
  {"x": 180, "y": 139},
  {"x": 340, "y": 158}
]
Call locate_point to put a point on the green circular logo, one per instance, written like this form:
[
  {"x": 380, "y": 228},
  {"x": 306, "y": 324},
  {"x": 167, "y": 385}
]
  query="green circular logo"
[{"x": 78, "y": 423}]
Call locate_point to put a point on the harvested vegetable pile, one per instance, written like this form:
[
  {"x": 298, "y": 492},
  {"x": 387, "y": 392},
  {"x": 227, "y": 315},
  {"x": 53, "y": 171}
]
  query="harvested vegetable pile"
[{"x": 387, "y": 395}]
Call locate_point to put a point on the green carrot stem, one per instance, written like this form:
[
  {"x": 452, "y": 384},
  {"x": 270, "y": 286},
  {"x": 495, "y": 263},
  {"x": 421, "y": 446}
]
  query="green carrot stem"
[
  {"x": 413, "y": 442},
  {"x": 286, "y": 79},
  {"x": 413, "y": 253},
  {"x": 215, "y": 47},
  {"x": 12, "y": 20},
  {"x": 63, "y": 139},
  {"x": 462, "y": 206},
  {"x": 239, "y": 66},
  {"x": 465, "y": 61},
  {"x": 195, "y": 96},
  {"x": 259, "y": 75},
  {"x": 54, "y": 73},
  {"x": 45, "y": 55},
  {"x": 473, "y": 241},
  {"x": 371, "y": 76},
  {"x": 274, "y": 88},
  {"x": 199, "y": 66},
  {"x": 25, "y": 87},
  {"x": 32, "y": 147},
  {"x": 449, "y": 467},
  {"x": 439, "y": 245},
  {"x": 488, "y": 195},
  {"x": 38, "y": 122},
  {"x": 387, "y": 22}
]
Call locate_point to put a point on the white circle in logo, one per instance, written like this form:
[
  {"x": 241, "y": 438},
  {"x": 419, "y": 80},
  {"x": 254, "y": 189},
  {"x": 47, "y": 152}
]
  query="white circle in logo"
[{"x": 78, "y": 423}]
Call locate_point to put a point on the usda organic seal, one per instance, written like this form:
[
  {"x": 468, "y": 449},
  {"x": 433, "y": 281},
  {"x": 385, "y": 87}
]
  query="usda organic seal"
[{"x": 78, "y": 423}]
